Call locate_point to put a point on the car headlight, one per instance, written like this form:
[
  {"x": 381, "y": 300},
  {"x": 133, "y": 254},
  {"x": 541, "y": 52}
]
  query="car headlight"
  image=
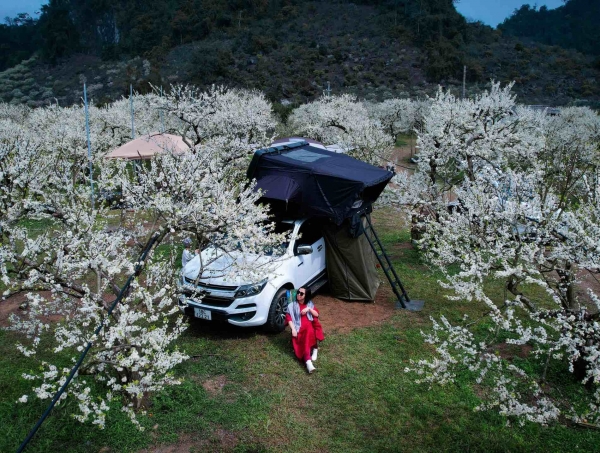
[{"x": 251, "y": 290}]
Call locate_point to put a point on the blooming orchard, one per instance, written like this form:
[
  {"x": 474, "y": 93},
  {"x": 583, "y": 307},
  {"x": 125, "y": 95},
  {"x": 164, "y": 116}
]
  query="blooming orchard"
[
  {"x": 505, "y": 194},
  {"x": 76, "y": 266},
  {"x": 503, "y": 197}
]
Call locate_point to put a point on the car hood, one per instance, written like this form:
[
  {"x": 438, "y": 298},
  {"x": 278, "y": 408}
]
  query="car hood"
[{"x": 232, "y": 269}]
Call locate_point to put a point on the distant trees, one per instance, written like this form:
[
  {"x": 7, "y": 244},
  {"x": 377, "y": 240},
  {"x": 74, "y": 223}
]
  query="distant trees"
[
  {"x": 57, "y": 30},
  {"x": 18, "y": 40},
  {"x": 439, "y": 29},
  {"x": 150, "y": 28},
  {"x": 574, "y": 25},
  {"x": 188, "y": 23}
]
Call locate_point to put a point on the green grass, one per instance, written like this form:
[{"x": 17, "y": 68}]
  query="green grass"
[
  {"x": 243, "y": 391},
  {"x": 405, "y": 139}
]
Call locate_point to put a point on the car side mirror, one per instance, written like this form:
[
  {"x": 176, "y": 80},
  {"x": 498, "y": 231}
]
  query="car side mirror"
[{"x": 304, "y": 250}]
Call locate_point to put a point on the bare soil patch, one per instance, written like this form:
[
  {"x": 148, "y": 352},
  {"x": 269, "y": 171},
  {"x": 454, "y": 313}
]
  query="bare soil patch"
[
  {"x": 12, "y": 305},
  {"x": 509, "y": 351},
  {"x": 402, "y": 154},
  {"x": 338, "y": 316},
  {"x": 185, "y": 445},
  {"x": 587, "y": 281},
  {"x": 400, "y": 157},
  {"x": 214, "y": 385},
  {"x": 220, "y": 440}
]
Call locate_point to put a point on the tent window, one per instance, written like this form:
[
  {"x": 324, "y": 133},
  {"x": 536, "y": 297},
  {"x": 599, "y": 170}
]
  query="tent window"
[{"x": 305, "y": 156}]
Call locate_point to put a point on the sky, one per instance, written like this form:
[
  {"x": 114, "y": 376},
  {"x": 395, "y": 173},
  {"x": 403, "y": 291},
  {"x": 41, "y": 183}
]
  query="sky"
[
  {"x": 490, "y": 12},
  {"x": 11, "y": 8},
  {"x": 493, "y": 12}
]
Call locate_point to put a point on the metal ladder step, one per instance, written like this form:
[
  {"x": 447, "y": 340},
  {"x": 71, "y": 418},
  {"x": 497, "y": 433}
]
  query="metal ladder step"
[{"x": 389, "y": 271}]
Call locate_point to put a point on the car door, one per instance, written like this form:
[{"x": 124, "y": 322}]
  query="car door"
[{"x": 310, "y": 265}]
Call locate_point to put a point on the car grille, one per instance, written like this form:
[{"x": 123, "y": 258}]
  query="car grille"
[
  {"x": 207, "y": 286},
  {"x": 216, "y": 301}
]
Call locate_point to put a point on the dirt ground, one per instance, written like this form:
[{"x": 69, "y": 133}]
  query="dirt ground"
[
  {"x": 221, "y": 440},
  {"x": 401, "y": 156},
  {"x": 13, "y": 304},
  {"x": 8, "y": 306},
  {"x": 338, "y": 316}
]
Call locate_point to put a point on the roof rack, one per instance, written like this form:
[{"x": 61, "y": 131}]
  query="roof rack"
[{"x": 271, "y": 150}]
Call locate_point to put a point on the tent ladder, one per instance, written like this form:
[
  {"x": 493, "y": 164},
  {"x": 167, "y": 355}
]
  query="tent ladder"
[{"x": 389, "y": 271}]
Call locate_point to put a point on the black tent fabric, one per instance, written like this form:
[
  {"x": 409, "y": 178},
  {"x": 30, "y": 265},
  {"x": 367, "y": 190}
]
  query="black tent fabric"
[
  {"x": 280, "y": 187},
  {"x": 316, "y": 182}
]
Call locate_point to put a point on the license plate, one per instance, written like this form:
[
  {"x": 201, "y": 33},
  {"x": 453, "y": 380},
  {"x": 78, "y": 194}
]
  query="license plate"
[{"x": 202, "y": 314}]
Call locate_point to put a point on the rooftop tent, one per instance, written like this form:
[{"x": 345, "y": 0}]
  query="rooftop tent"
[
  {"x": 336, "y": 148},
  {"x": 314, "y": 182},
  {"x": 306, "y": 181}
]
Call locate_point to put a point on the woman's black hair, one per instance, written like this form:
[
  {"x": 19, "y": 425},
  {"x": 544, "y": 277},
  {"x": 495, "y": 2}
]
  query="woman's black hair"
[{"x": 307, "y": 293}]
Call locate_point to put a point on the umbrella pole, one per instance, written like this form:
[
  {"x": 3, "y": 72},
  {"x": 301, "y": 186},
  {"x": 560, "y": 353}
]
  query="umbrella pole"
[
  {"x": 135, "y": 162},
  {"x": 89, "y": 146}
]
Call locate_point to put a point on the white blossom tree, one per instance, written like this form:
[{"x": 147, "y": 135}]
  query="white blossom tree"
[
  {"x": 76, "y": 268},
  {"x": 525, "y": 214},
  {"x": 397, "y": 116},
  {"x": 345, "y": 121},
  {"x": 237, "y": 122}
]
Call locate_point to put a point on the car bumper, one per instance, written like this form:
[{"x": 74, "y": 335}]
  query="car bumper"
[{"x": 244, "y": 312}]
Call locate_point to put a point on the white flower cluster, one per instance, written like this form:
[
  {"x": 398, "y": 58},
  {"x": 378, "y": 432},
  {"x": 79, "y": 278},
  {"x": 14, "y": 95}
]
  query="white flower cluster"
[{"x": 506, "y": 194}]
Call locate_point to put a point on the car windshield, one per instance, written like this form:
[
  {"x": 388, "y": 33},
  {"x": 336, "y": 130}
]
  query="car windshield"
[{"x": 280, "y": 227}]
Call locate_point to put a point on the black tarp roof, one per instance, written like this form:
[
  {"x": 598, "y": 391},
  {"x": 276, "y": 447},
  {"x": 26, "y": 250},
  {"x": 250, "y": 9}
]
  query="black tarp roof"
[{"x": 311, "y": 181}]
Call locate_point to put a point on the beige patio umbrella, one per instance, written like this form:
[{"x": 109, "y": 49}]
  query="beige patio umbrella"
[{"x": 147, "y": 146}]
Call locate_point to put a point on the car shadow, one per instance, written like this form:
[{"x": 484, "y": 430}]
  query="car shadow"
[
  {"x": 216, "y": 330},
  {"x": 220, "y": 330},
  {"x": 282, "y": 341}
]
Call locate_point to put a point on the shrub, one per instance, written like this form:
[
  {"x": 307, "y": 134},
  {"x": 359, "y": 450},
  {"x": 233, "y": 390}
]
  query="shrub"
[
  {"x": 350, "y": 80},
  {"x": 369, "y": 76},
  {"x": 210, "y": 60},
  {"x": 443, "y": 60},
  {"x": 283, "y": 111},
  {"x": 262, "y": 43}
]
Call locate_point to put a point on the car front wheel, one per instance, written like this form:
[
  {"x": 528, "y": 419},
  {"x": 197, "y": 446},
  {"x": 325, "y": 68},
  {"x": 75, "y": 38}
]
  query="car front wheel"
[{"x": 277, "y": 311}]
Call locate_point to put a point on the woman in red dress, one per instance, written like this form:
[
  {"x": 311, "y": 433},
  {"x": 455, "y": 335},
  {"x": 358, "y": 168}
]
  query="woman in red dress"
[{"x": 302, "y": 317}]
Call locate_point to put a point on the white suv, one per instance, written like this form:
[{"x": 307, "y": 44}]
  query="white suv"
[{"x": 258, "y": 303}]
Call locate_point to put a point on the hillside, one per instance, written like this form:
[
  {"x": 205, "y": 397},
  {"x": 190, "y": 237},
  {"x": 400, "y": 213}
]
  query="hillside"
[{"x": 371, "y": 51}]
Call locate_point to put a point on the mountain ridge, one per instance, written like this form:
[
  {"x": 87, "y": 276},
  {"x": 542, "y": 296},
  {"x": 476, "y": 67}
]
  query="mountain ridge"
[{"x": 365, "y": 50}]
